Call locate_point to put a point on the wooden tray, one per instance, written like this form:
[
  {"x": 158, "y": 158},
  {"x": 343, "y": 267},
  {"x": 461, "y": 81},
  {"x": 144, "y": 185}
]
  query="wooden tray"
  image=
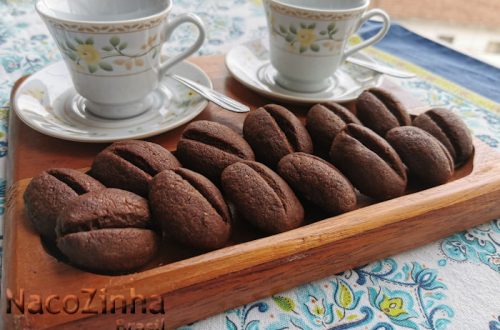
[{"x": 197, "y": 286}]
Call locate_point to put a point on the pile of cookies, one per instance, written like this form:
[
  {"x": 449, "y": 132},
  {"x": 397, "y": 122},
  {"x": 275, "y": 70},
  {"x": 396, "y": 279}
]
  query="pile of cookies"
[{"x": 113, "y": 218}]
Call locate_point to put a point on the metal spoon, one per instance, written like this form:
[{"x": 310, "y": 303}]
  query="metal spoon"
[
  {"x": 218, "y": 98},
  {"x": 381, "y": 68}
]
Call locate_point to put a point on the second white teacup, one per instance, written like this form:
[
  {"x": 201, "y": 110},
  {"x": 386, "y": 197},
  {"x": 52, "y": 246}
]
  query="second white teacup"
[
  {"x": 308, "y": 38},
  {"x": 112, "y": 49}
]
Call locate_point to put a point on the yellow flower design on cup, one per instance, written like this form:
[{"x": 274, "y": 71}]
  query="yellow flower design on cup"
[
  {"x": 306, "y": 37},
  {"x": 102, "y": 56},
  {"x": 88, "y": 54}
]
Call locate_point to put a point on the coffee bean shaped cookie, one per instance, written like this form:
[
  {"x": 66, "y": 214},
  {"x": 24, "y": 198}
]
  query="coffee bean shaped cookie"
[
  {"x": 274, "y": 132},
  {"x": 130, "y": 165},
  {"x": 190, "y": 209},
  {"x": 450, "y": 130},
  {"x": 261, "y": 197},
  {"x": 426, "y": 158},
  {"x": 208, "y": 148},
  {"x": 107, "y": 231},
  {"x": 318, "y": 181},
  {"x": 380, "y": 110},
  {"x": 369, "y": 162},
  {"x": 49, "y": 192},
  {"x": 324, "y": 121}
]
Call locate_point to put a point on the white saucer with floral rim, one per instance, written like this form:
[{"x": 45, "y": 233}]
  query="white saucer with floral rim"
[
  {"x": 249, "y": 64},
  {"x": 47, "y": 102}
]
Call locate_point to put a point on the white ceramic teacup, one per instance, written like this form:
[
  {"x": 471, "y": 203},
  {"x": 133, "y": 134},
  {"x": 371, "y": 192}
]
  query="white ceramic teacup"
[
  {"x": 112, "y": 49},
  {"x": 308, "y": 38}
]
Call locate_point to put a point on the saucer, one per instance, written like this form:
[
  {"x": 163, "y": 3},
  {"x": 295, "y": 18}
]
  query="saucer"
[
  {"x": 249, "y": 64},
  {"x": 47, "y": 102}
]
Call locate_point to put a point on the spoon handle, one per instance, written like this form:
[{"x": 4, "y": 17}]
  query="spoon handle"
[
  {"x": 380, "y": 68},
  {"x": 218, "y": 98}
]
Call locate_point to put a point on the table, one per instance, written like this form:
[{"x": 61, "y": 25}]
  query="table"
[{"x": 452, "y": 283}]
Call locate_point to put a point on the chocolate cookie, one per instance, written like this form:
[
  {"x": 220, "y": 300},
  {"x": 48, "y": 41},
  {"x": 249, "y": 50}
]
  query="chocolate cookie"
[
  {"x": 261, "y": 197},
  {"x": 190, "y": 209},
  {"x": 380, "y": 110},
  {"x": 324, "y": 121},
  {"x": 49, "y": 192},
  {"x": 450, "y": 130},
  {"x": 369, "y": 162},
  {"x": 208, "y": 148},
  {"x": 130, "y": 165},
  {"x": 274, "y": 132},
  {"x": 426, "y": 158},
  {"x": 107, "y": 231},
  {"x": 318, "y": 181}
]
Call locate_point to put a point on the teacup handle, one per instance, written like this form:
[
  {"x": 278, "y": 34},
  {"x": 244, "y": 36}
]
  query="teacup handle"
[
  {"x": 172, "y": 25},
  {"x": 366, "y": 16}
]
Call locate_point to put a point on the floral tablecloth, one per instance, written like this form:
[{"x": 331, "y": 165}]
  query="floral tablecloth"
[{"x": 453, "y": 283}]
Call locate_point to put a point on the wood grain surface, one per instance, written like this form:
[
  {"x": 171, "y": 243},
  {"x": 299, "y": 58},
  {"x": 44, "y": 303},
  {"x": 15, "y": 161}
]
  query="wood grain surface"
[{"x": 194, "y": 285}]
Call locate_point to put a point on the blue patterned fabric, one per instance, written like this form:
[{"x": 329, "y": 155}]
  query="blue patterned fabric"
[
  {"x": 449, "y": 284},
  {"x": 466, "y": 71}
]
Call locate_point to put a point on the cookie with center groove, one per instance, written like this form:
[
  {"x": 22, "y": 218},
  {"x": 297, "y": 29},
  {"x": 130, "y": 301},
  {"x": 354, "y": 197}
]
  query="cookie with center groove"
[
  {"x": 273, "y": 132},
  {"x": 131, "y": 165},
  {"x": 318, "y": 181},
  {"x": 426, "y": 158},
  {"x": 381, "y": 111},
  {"x": 324, "y": 121},
  {"x": 107, "y": 231},
  {"x": 450, "y": 130},
  {"x": 262, "y": 197},
  {"x": 49, "y": 192},
  {"x": 208, "y": 148},
  {"x": 190, "y": 209},
  {"x": 369, "y": 162}
]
